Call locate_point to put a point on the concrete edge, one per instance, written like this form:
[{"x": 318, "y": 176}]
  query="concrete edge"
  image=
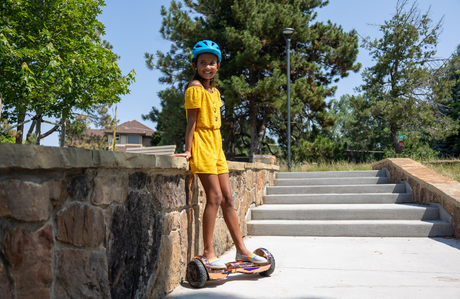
[
  {"x": 249, "y": 213},
  {"x": 443, "y": 214},
  {"x": 387, "y": 172},
  {"x": 408, "y": 188}
]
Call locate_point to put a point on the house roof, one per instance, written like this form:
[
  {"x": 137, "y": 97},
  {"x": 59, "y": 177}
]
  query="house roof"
[
  {"x": 129, "y": 127},
  {"x": 134, "y": 127},
  {"x": 96, "y": 132}
]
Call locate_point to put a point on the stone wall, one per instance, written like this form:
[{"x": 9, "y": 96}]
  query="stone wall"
[
  {"x": 96, "y": 224},
  {"x": 427, "y": 185}
]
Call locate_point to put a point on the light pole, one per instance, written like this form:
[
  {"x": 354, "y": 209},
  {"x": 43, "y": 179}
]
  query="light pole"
[{"x": 287, "y": 33}]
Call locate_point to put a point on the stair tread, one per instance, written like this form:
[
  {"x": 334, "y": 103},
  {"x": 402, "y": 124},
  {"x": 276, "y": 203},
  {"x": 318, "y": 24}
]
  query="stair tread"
[
  {"x": 380, "y": 221},
  {"x": 341, "y": 171},
  {"x": 358, "y": 185},
  {"x": 332, "y": 174},
  {"x": 328, "y": 194},
  {"x": 339, "y": 178},
  {"x": 358, "y": 206}
]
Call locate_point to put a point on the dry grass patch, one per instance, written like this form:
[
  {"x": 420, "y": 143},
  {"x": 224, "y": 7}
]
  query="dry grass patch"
[
  {"x": 332, "y": 166},
  {"x": 449, "y": 169}
]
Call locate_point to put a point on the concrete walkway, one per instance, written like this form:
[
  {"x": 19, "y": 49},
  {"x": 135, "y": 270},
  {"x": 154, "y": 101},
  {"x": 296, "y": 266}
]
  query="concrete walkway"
[{"x": 325, "y": 268}]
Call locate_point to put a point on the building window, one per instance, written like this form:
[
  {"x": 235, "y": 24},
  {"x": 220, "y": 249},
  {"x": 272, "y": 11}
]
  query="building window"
[
  {"x": 117, "y": 138},
  {"x": 134, "y": 139}
]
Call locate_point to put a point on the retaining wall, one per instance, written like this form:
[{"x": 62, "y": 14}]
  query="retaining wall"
[
  {"x": 427, "y": 185},
  {"x": 95, "y": 224}
]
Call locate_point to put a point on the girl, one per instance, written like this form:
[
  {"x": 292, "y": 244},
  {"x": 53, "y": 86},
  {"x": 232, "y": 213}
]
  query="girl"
[{"x": 203, "y": 146}]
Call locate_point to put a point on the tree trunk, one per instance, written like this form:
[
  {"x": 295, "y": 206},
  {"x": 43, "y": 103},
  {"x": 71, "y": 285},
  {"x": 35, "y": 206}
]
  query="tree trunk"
[
  {"x": 20, "y": 129},
  {"x": 31, "y": 129},
  {"x": 229, "y": 145},
  {"x": 63, "y": 131},
  {"x": 394, "y": 138},
  {"x": 229, "y": 134},
  {"x": 257, "y": 130}
]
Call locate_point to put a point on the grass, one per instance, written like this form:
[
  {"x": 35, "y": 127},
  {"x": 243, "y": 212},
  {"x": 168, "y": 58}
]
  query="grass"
[
  {"x": 448, "y": 169},
  {"x": 327, "y": 166}
]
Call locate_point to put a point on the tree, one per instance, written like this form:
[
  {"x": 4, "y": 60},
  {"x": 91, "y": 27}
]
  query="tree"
[
  {"x": 450, "y": 147},
  {"x": 78, "y": 136},
  {"x": 53, "y": 61},
  {"x": 156, "y": 139},
  {"x": 8, "y": 136},
  {"x": 252, "y": 75},
  {"x": 407, "y": 83},
  {"x": 170, "y": 120},
  {"x": 356, "y": 129}
]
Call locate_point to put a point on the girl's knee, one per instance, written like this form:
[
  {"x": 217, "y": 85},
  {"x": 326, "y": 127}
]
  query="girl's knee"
[
  {"x": 227, "y": 201},
  {"x": 215, "y": 199}
]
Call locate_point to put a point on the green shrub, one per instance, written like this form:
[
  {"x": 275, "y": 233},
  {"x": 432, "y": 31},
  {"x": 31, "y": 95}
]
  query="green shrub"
[{"x": 415, "y": 148}]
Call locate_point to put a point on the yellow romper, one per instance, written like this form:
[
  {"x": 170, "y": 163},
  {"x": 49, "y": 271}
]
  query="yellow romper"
[{"x": 207, "y": 154}]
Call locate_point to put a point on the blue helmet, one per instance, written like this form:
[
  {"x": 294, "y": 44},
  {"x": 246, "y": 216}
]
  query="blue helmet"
[{"x": 206, "y": 46}]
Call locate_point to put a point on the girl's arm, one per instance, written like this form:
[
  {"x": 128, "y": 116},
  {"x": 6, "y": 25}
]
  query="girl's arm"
[{"x": 191, "y": 125}]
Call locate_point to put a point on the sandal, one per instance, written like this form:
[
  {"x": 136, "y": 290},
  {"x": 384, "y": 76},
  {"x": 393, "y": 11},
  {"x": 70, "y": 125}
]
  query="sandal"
[
  {"x": 215, "y": 263},
  {"x": 254, "y": 258}
]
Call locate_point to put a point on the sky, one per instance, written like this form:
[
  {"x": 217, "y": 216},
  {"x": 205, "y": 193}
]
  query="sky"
[{"x": 132, "y": 27}]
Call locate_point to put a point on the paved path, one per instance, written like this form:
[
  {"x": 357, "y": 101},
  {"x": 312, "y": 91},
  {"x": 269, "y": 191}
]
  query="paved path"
[{"x": 326, "y": 268}]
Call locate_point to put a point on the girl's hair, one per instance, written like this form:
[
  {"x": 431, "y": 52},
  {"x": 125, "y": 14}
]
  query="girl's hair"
[{"x": 197, "y": 76}]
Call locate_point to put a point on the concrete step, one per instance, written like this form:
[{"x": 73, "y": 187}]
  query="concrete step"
[
  {"x": 350, "y": 198},
  {"x": 345, "y": 212},
  {"x": 350, "y": 228},
  {"x": 379, "y": 188},
  {"x": 331, "y": 174},
  {"x": 332, "y": 181}
]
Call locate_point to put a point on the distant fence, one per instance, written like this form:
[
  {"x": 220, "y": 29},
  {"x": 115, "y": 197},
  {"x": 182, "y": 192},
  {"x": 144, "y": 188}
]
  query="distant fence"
[{"x": 359, "y": 156}]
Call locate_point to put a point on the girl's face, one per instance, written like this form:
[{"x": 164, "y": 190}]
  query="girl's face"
[{"x": 207, "y": 65}]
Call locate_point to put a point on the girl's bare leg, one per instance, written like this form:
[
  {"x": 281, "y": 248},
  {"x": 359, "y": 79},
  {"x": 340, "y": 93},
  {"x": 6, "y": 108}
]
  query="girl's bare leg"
[
  {"x": 230, "y": 217},
  {"x": 213, "y": 200}
]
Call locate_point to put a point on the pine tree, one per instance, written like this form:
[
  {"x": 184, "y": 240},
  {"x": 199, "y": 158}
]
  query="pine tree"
[
  {"x": 407, "y": 83},
  {"x": 170, "y": 119},
  {"x": 450, "y": 147},
  {"x": 356, "y": 129},
  {"x": 76, "y": 135},
  {"x": 252, "y": 76}
]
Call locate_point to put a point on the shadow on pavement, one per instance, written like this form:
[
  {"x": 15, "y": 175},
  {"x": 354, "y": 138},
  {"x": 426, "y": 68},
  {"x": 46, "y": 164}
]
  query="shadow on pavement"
[
  {"x": 216, "y": 283},
  {"x": 209, "y": 291},
  {"x": 452, "y": 242},
  {"x": 203, "y": 294}
]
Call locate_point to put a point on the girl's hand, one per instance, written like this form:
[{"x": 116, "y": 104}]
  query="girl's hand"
[{"x": 187, "y": 155}]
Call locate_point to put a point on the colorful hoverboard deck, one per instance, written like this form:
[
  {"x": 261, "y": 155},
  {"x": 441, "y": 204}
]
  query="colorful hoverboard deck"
[{"x": 199, "y": 271}]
